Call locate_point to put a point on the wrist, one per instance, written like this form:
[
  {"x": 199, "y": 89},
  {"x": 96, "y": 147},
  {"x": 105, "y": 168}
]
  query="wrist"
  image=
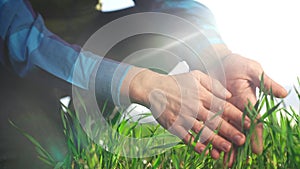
[
  {"x": 137, "y": 85},
  {"x": 222, "y": 51}
]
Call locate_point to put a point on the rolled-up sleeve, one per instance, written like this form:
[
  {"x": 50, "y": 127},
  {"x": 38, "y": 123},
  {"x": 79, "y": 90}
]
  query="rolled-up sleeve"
[{"x": 26, "y": 42}]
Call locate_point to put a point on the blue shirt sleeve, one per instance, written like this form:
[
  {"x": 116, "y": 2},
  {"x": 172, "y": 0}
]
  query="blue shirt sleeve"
[{"x": 29, "y": 43}]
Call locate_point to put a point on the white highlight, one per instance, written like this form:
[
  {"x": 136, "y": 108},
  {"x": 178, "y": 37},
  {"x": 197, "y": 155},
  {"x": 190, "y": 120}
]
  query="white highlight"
[
  {"x": 114, "y": 5},
  {"x": 66, "y": 102}
]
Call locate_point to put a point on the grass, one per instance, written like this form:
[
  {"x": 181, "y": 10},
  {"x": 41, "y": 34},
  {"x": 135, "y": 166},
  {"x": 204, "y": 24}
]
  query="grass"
[{"x": 281, "y": 143}]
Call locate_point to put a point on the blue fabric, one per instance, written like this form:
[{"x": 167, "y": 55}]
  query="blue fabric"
[
  {"x": 29, "y": 43},
  {"x": 189, "y": 7},
  {"x": 106, "y": 68}
]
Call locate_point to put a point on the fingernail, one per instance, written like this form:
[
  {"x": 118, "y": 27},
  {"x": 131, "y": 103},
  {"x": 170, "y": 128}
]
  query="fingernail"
[
  {"x": 284, "y": 93},
  {"x": 228, "y": 94},
  {"x": 237, "y": 139},
  {"x": 201, "y": 149},
  {"x": 226, "y": 147}
]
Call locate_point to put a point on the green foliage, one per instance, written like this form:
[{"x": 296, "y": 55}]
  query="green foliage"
[
  {"x": 281, "y": 143},
  {"x": 281, "y": 135}
]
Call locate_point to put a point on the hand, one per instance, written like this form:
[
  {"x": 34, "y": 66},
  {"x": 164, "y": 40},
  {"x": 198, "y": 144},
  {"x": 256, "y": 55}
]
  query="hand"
[
  {"x": 242, "y": 78},
  {"x": 188, "y": 102}
]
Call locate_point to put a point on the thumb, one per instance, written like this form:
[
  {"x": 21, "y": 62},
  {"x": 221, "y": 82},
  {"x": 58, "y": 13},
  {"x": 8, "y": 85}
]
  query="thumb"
[{"x": 269, "y": 85}]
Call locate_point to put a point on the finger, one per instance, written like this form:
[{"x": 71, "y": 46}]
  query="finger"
[
  {"x": 231, "y": 133},
  {"x": 215, "y": 87},
  {"x": 257, "y": 136},
  {"x": 229, "y": 158},
  {"x": 236, "y": 116},
  {"x": 189, "y": 139},
  {"x": 228, "y": 111},
  {"x": 215, "y": 154},
  {"x": 212, "y": 85},
  {"x": 257, "y": 139},
  {"x": 214, "y": 121},
  {"x": 269, "y": 84},
  {"x": 208, "y": 136}
]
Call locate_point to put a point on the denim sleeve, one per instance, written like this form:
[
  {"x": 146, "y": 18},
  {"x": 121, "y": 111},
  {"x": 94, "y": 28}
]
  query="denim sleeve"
[{"x": 27, "y": 43}]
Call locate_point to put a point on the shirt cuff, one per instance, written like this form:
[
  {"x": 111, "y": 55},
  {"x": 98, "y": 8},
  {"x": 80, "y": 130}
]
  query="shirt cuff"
[{"x": 109, "y": 78}]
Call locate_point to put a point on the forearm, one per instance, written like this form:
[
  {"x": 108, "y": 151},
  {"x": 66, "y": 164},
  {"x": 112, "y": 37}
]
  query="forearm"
[{"x": 137, "y": 85}]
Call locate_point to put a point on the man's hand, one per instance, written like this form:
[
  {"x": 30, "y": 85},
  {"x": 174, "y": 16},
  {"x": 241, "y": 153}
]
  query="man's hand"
[
  {"x": 242, "y": 78},
  {"x": 188, "y": 102}
]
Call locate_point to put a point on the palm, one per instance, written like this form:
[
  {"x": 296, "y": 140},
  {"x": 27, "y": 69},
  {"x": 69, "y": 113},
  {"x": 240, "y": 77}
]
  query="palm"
[
  {"x": 243, "y": 77},
  {"x": 242, "y": 92}
]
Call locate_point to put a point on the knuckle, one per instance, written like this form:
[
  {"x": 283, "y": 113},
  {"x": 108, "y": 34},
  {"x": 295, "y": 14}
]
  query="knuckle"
[{"x": 255, "y": 66}]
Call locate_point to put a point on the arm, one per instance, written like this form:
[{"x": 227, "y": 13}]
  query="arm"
[{"x": 25, "y": 42}]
